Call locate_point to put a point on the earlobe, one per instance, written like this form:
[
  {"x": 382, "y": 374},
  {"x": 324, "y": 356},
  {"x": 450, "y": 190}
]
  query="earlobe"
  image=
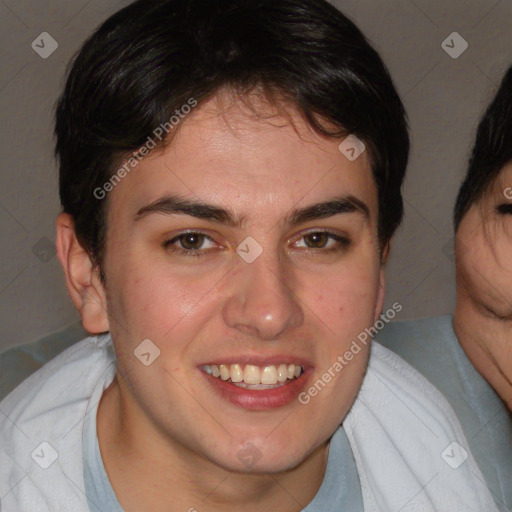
[
  {"x": 384, "y": 253},
  {"x": 82, "y": 277}
]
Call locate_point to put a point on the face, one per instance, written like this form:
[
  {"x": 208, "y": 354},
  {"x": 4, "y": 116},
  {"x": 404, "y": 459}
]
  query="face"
[
  {"x": 484, "y": 282},
  {"x": 244, "y": 248}
]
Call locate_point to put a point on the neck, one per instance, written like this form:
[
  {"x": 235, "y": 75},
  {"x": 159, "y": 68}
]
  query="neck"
[
  {"x": 150, "y": 472},
  {"x": 487, "y": 341}
]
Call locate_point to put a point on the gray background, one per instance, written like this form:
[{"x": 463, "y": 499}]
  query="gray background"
[{"x": 444, "y": 98}]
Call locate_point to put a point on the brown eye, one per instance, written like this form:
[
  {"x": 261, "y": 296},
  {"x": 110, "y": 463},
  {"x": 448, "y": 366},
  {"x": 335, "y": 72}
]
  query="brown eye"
[
  {"x": 317, "y": 240},
  {"x": 192, "y": 241},
  {"x": 323, "y": 241},
  {"x": 190, "y": 244}
]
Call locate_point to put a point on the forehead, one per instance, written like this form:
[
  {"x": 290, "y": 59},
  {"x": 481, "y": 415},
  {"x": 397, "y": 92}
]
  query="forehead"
[{"x": 248, "y": 158}]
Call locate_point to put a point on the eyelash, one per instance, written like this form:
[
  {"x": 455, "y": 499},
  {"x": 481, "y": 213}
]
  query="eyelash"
[{"x": 170, "y": 245}]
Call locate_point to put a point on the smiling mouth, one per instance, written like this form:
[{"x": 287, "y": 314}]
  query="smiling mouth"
[{"x": 250, "y": 376}]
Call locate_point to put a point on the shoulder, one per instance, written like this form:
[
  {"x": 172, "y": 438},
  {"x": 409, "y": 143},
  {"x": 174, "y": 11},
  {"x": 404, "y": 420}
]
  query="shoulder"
[
  {"x": 40, "y": 427},
  {"x": 429, "y": 336},
  {"x": 431, "y": 346},
  {"x": 17, "y": 363},
  {"x": 391, "y": 375},
  {"x": 60, "y": 382},
  {"x": 405, "y": 435}
]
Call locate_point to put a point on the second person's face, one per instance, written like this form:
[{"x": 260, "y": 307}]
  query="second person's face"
[{"x": 484, "y": 284}]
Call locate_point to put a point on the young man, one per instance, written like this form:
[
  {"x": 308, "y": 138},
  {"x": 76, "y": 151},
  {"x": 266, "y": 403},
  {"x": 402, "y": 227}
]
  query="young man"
[{"x": 230, "y": 177}]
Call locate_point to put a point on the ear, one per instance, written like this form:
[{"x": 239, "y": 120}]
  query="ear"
[{"x": 82, "y": 277}]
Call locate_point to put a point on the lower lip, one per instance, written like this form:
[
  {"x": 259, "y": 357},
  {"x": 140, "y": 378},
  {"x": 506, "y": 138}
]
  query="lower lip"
[{"x": 258, "y": 400}]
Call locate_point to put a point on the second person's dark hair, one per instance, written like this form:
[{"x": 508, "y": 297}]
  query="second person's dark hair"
[{"x": 491, "y": 152}]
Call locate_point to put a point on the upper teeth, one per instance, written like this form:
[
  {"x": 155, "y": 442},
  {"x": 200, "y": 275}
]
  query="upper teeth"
[{"x": 251, "y": 374}]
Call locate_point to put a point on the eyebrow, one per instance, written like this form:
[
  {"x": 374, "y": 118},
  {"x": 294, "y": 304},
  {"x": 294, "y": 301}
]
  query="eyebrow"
[{"x": 173, "y": 205}]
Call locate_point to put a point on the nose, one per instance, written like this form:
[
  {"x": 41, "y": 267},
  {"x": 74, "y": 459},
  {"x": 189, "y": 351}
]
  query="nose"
[{"x": 263, "y": 303}]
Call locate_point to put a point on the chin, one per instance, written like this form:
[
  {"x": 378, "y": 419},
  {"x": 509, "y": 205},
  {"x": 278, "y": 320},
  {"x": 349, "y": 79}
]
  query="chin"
[{"x": 260, "y": 457}]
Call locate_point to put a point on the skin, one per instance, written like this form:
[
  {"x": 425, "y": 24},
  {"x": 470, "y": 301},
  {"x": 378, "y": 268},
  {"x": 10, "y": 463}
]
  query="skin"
[
  {"x": 483, "y": 313},
  {"x": 169, "y": 442}
]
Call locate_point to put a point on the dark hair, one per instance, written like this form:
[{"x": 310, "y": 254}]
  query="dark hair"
[
  {"x": 491, "y": 152},
  {"x": 152, "y": 57}
]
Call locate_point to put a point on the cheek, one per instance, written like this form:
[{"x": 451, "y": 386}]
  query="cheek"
[
  {"x": 484, "y": 257},
  {"x": 503, "y": 260},
  {"x": 347, "y": 300},
  {"x": 486, "y": 274},
  {"x": 157, "y": 302}
]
